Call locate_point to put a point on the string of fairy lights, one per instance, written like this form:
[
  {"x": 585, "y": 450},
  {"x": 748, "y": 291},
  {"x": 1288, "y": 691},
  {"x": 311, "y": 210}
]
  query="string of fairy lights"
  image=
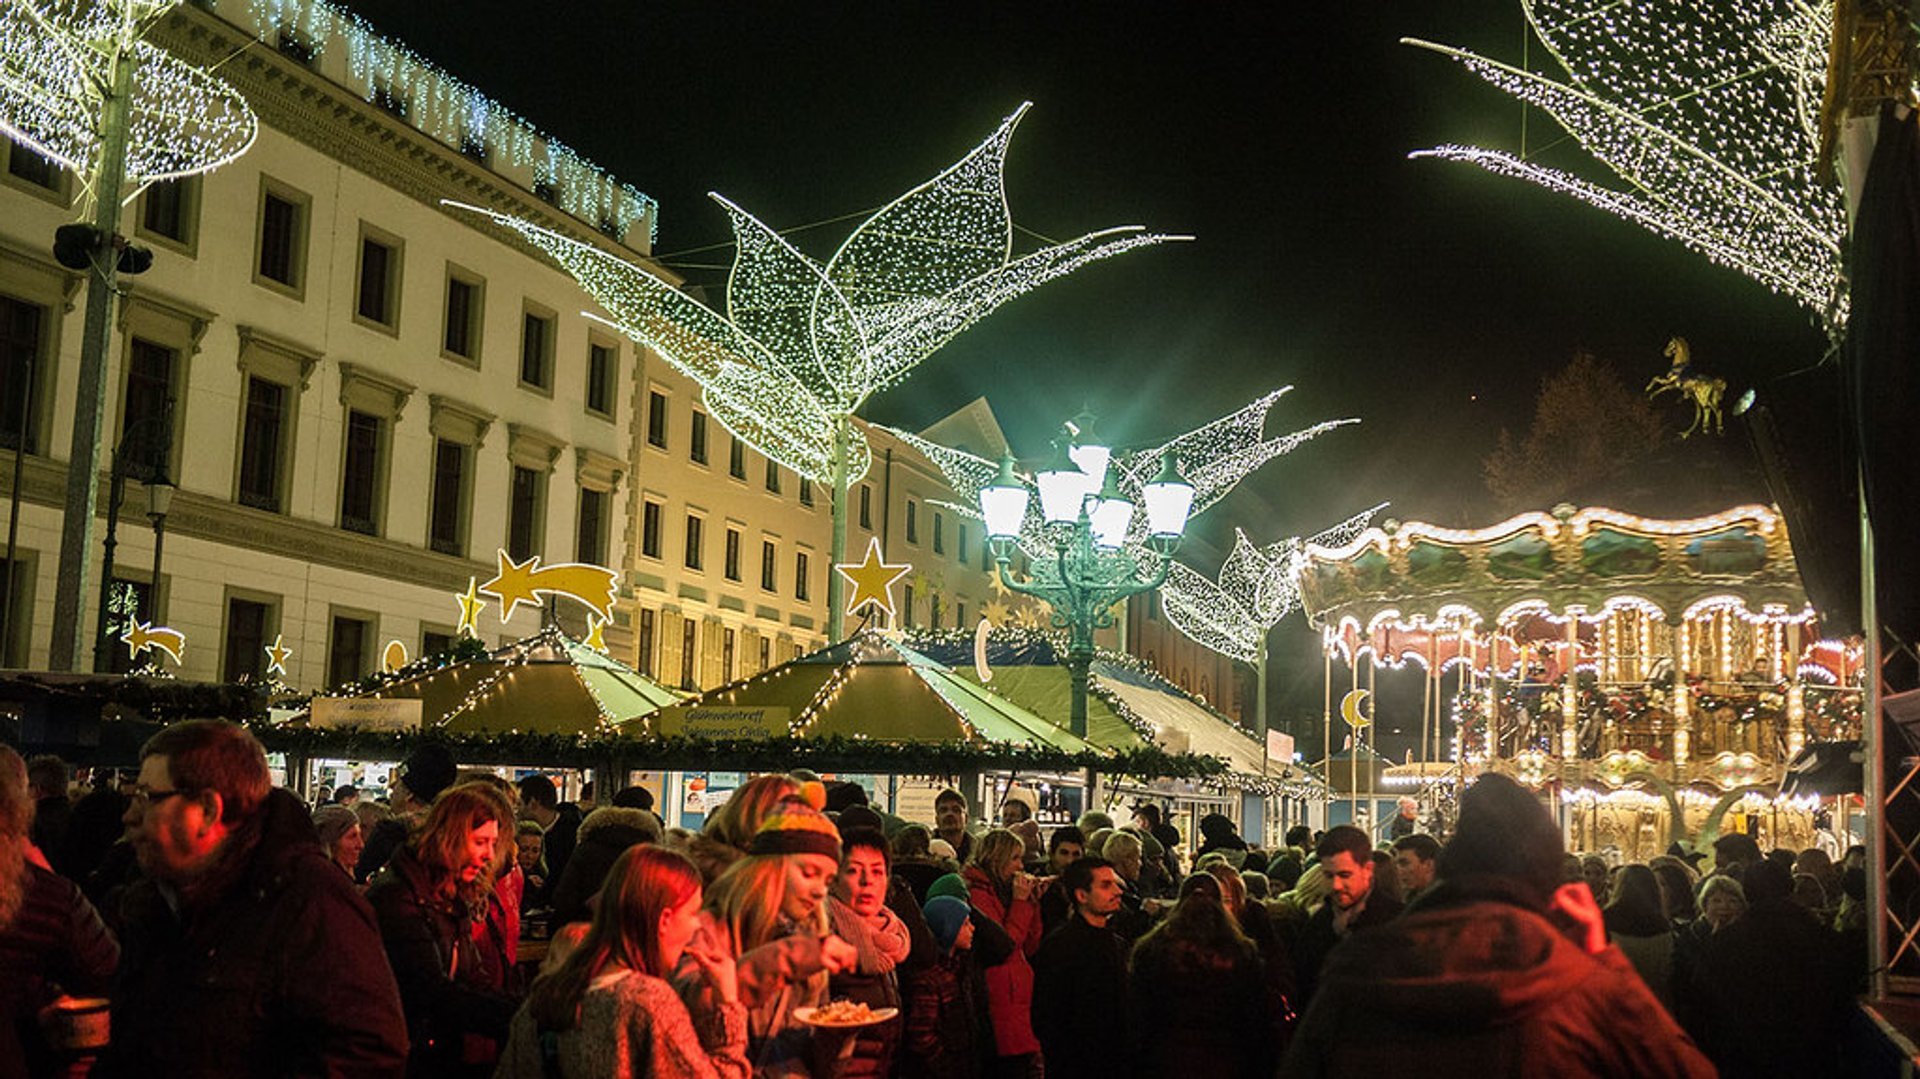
[
  {"x": 446, "y": 107},
  {"x": 56, "y": 64},
  {"x": 804, "y": 344},
  {"x": 1706, "y": 113}
]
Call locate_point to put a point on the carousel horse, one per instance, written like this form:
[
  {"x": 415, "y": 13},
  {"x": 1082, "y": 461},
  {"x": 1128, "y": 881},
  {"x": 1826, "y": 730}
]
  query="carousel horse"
[{"x": 1702, "y": 391}]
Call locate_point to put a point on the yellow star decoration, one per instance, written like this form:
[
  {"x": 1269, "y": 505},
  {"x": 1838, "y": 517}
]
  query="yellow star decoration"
[
  {"x": 520, "y": 582},
  {"x": 997, "y": 612},
  {"x": 470, "y": 605},
  {"x": 141, "y": 636},
  {"x": 277, "y": 655},
  {"x": 596, "y": 634},
  {"x": 997, "y": 586},
  {"x": 873, "y": 579}
]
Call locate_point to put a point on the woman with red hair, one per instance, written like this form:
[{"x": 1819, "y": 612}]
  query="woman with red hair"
[
  {"x": 608, "y": 1010},
  {"x": 431, "y": 902}
]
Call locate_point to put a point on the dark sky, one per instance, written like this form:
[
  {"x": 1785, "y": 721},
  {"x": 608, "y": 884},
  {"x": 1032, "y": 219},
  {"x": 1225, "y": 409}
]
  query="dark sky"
[{"x": 1426, "y": 298}]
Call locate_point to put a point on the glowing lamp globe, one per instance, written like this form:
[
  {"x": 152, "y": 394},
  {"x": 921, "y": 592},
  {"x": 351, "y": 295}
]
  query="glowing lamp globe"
[
  {"x": 1169, "y": 500},
  {"x": 1003, "y": 503},
  {"x": 1112, "y": 513},
  {"x": 1063, "y": 487},
  {"x": 1091, "y": 459}
]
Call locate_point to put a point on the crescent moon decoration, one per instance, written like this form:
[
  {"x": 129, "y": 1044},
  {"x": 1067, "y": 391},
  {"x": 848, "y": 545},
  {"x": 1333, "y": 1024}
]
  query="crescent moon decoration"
[
  {"x": 1350, "y": 708},
  {"x": 395, "y": 656},
  {"x": 980, "y": 650}
]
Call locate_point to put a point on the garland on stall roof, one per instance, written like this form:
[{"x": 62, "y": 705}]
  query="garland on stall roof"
[{"x": 832, "y": 753}]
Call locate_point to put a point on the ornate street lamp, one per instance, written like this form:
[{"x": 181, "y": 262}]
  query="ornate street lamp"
[
  {"x": 142, "y": 454},
  {"x": 1089, "y": 519}
]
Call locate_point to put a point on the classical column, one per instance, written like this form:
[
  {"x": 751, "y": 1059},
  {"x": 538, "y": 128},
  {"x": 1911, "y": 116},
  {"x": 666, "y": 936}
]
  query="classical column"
[
  {"x": 1682, "y": 707},
  {"x": 1570, "y": 695}
]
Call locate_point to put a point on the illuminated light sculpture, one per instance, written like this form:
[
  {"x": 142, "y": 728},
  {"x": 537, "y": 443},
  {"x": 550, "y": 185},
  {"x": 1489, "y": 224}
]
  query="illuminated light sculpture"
[
  {"x": 141, "y": 636},
  {"x": 1708, "y": 113},
  {"x": 873, "y": 579},
  {"x": 1598, "y": 650},
  {"x": 277, "y": 656},
  {"x": 470, "y": 607},
  {"x": 80, "y": 87},
  {"x": 526, "y": 581},
  {"x": 804, "y": 345}
]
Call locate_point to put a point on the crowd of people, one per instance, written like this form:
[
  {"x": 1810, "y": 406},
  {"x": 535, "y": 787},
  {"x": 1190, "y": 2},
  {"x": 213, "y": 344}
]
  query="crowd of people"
[{"x": 234, "y": 929}]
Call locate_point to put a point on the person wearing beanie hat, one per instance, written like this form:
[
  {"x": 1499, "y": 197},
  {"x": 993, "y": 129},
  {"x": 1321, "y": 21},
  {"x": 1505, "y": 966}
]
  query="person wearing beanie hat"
[
  {"x": 427, "y": 771},
  {"x": 1498, "y": 968},
  {"x": 950, "y": 885},
  {"x": 768, "y": 911},
  {"x": 942, "y": 1004}
]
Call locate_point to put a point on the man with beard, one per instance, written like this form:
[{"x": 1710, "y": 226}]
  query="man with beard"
[
  {"x": 247, "y": 952},
  {"x": 1352, "y": 906},
  {"x": 1078, "y": 974}
]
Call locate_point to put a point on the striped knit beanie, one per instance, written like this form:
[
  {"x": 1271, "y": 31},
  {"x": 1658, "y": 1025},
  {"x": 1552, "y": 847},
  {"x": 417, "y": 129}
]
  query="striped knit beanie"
[{"x": 794, "y": 827}]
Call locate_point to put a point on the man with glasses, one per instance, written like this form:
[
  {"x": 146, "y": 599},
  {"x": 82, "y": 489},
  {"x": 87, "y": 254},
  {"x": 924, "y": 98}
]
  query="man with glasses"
[{"x": 246, "y": 951}]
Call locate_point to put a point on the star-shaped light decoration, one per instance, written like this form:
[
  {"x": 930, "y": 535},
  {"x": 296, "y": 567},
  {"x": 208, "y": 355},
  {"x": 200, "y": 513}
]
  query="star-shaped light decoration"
[
  {"x": 996, "y": 611},
  {"x": 277, "y": 655},
  {"x": 524, "y": 582},
  {"x": 470, "y": 605},
  {"x": 873, "y": 579},
  {"x": 596, "y": 634},
  {"x": 141, "y": 636}
]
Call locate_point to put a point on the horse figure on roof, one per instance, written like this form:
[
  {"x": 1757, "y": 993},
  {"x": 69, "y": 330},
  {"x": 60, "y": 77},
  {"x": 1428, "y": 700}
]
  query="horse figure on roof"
[{"x": 1703, "y": 391}]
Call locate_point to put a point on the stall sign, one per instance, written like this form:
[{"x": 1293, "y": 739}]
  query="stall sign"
[
  {"x": 722, "y": 722},
  {"x": 368, "y": 713}
]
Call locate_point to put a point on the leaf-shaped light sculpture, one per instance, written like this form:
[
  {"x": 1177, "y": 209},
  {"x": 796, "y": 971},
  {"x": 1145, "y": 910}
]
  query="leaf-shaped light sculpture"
[
  {"x": 56, "y": 63},
  {"x": 1706, "y": 113}
]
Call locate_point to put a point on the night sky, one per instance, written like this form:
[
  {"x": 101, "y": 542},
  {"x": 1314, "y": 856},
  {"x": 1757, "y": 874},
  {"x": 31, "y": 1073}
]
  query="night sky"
[{"x": 1426, "y": 298}]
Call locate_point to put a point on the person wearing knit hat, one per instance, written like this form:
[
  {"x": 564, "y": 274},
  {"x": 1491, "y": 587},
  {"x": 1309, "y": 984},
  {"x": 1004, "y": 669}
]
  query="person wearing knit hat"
[
  {"x": 939, "y": 1043},
  {"x": 768, "y": 911},
  {"x": 947, "y": 917},
  {"x": 952, "y": 885},
  {"x": 1499, "y": 962}
]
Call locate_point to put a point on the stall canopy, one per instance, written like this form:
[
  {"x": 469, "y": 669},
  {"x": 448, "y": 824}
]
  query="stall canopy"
[
  {"x": 547, "y": 683},
  {"x": 874, "y": 686},
  {"x": 1826, "y": 769}
]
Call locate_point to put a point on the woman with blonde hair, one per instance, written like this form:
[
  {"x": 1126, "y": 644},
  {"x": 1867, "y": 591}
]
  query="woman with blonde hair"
[
  {"x": 607, "y": 1010},
  {"x": 1005, "y": 894},
  {"x": 731, "y": 828},
  {"x": 432, "y": 903},
  {"x": 768, "y": 912}
]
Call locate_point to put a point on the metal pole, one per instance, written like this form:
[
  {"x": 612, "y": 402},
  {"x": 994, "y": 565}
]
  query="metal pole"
[
  {"x": 1872, "y": 735},
  {"x": 159, "y": 537},
  {"x": 115, "y": 487},
  {"x": 13, "y": 515},
  {"x": 1260, "y": 703},
  {"x": 83, "y": 459},
  {"x": 836, "y": 588}
]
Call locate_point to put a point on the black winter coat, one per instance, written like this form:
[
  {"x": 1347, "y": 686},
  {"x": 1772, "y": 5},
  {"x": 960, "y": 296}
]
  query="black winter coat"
[
  {"x": 1317, "y": 937},
  {"x": 1078, "y": 973},
  {"x": 438, "y": 966},
  {"x": 279, "y": 972},
  {"x": 56, "y": 943},
  {"x": 603, "y": 835}
]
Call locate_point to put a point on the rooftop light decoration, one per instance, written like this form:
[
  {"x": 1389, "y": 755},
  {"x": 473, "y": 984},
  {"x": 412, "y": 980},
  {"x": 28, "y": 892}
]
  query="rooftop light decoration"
[
  {"x": 56, "y": 72},
  {"x": 1707, "y": 115},
  {"x": 804, "y": 344}
]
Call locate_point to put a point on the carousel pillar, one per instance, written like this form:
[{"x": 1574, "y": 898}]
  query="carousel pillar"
[
  {"x": 1570, "y": 696},
  {"x": 1682, "y": 707},
  {"x": 1326, "y": 735},
  {"x": 1796, "y": 695},
  {"x": 1493, "y": 697}
]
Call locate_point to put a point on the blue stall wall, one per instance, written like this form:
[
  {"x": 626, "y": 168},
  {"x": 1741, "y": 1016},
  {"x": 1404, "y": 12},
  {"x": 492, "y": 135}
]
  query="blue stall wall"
[{"x": 1253, "y": 819}]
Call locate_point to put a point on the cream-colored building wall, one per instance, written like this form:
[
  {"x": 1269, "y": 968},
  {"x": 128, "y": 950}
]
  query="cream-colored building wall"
[{"x": 204, "y": 297}]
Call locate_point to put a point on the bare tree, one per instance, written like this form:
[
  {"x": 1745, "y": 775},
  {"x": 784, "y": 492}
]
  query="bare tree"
[{"x": 1589, "y": 430}]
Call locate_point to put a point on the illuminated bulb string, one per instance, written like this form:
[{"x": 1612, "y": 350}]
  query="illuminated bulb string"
[
  {"x": 1707, "y": 113},
  {"x": 804, "y": 344}
]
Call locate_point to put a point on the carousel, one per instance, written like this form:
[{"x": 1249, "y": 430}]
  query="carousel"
[{"x": 1654, "y": 677}]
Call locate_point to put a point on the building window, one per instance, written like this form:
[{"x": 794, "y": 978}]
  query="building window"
[
  {"x": 906, "y": 605},
  {"x": 650, "y": 512},
  {"x": 283, "y": 237},
  {"x": 960, "y": 614},
  {"x": 697, "y": 448},
  {"x": 523, "y": 512},
  {"x": 260, "y": 440},
  {"x": 246, "y": 646},
  {"x": 360, "y": 475},
  {"x": 737, "y": 459},
  {"x": 461, "y": 335},
  {"x": 913, "y": 522},
  {"x": 603, "y": 364},
  {"x": 696, "y": 542},
  {"x": 806, "y": 491},
  {"x": 169, "y": 210},
  {"x": 961, "y": 528},
  {"x": 24, "y": 164},
  {"x": 645, "y": 634},
  {"x": 150, "y": 371},
  {"x": 20, "y": 360},
  {"x": 733, "y": 554},
  {"x": 434, "y": 642},
  {"x": 377, "y": 293},
  {"x": 591, "y": 542},
  {"x": 866, "y": 507},
  {"x": 348, "y": 648},
  {"x": 766, "y": 652},
  {"x": 800, "y": 576},
  {"x": 447, "y": 520},
  {"x": 657, "y": 419},
  {"x": 687, "y": 654},
  {"x": 726, "y": 655},
  {"x": 536, "y": 350},
  {"x": 773, "y": 476},
  {"x": 768, "y": 552},
  {"x": 939, "y": 533}
]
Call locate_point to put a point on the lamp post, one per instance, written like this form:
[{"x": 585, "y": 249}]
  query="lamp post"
[
  {"x": 1088, "y": 519},
  {"x": 146, "y": 447}
]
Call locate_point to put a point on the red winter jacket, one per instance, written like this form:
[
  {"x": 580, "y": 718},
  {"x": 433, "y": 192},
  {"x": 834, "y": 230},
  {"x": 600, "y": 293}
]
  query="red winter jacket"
[
  {"x": 1474, "y": 984},
  {"x": 1009, "y": 985}
]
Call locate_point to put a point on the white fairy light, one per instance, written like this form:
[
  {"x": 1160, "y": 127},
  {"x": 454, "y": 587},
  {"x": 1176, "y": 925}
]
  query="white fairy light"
[
  {"x": 803, "y": 345},
  {"x": 1708, "y": 115},
  {"x": 56, "y": 64}
]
